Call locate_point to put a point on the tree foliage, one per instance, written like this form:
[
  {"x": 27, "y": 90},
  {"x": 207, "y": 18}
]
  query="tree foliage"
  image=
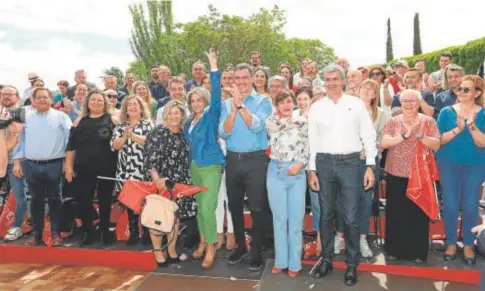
[
  {"x": 470, "y": 56},
  {"x": 417, "y": 36},
  {"x": 389, "y": 53},
  {"x": 157, "y": 40},
  {"x": 117, "y": 72}
]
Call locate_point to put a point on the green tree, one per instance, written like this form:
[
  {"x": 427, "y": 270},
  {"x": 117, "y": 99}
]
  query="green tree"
[
  {"x": 178, "y": 46},
  {"x": 389, "y": 53},
  {"x": 153, "y": 37},
  {"x": 417, "y": 36},
  {"x": 117, "y": 72}
]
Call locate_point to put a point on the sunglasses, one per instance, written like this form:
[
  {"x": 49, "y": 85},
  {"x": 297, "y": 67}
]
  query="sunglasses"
[
  {"x": 376, "y": 74},
  {"x": 465, "y": 89},
  {"x": 112, "y": 96}
]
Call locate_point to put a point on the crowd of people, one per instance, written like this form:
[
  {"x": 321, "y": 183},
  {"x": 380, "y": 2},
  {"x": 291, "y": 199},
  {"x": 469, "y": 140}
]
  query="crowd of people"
[{"x": 258, "y": 139}]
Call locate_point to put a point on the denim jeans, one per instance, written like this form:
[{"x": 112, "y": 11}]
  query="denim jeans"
[
  {"x": 365, "y": 204},
  {"x": 18, "y": 189},
  {"x": 43, "y": 181},
  {"x": 461, "y": 186},
  {"x": 315, "y": 201},
  {"x": 340, "y": 188},
  {"x": 287, "y": 201}
]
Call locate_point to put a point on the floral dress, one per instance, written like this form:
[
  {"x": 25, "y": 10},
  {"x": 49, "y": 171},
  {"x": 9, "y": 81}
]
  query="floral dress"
[
  {"x": 130, "y": 156},
  {"x": 167, "y": 152}
]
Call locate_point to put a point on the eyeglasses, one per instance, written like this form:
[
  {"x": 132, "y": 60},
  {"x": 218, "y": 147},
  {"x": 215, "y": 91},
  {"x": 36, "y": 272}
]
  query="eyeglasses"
[
  {"x": 42, "y": 98},
  {"x": 465, "y": 89},
  {"x": 112, "y": 96},
  {"x": 376, "y": 74},
  {"x": 8, "y": 95}
]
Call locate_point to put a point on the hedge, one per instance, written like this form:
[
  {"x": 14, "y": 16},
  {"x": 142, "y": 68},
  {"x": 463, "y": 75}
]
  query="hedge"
[{"x": 470, "y": 56}]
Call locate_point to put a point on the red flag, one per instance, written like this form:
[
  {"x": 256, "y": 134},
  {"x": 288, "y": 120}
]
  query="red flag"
[
  {"x": 134, "y": 192},
  {"x": 424, "y": 173},
  {"x": 184, "y": 190}
]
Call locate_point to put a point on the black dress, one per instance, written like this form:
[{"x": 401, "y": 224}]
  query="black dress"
[{"x": 168, "y": 153}]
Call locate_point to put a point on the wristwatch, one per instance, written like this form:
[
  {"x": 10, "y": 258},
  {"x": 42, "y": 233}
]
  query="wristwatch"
[
  {"x": 241, "y": 106},
  {"x": 404, "y": 136},
  {"x": 473, "y": 127}
]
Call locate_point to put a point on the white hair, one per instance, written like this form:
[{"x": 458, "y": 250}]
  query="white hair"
[{"x": 416, "y": 93}]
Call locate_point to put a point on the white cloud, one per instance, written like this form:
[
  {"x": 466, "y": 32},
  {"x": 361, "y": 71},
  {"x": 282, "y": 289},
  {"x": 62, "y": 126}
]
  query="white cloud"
[{"x": 355, "y": 29}]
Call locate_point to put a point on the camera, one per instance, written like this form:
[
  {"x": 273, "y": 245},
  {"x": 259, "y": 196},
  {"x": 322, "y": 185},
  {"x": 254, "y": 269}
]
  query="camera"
[{"x": 7, "y": 116}]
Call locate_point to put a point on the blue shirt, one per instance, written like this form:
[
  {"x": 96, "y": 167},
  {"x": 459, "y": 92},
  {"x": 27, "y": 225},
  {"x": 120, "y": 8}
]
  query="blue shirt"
[
  {"x": 243, "y": 139},
  {"x": 191, "y": 83},
  {"x": 461, "y": 150},
  {"x": 443, "y": 99},
  {"x": 204, "y": 148},
  {"x": 73, "y": 115},
  {"x": 44, "y": 136}
]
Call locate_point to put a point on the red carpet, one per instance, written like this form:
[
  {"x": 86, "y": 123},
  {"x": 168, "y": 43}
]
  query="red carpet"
[{"x": 136, "y": 260}]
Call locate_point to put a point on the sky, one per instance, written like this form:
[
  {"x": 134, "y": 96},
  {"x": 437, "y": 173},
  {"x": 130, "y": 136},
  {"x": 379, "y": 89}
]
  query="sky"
[{"x": 56, "y": 37}]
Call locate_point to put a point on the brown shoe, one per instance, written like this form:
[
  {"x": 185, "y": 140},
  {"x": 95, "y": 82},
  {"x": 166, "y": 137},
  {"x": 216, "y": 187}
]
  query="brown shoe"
[
  {"x": 230, "y": 241},
  {"x": 209, "y": 259},
  {"x": 220, "y": 240},
  {"x": 33, "y": 241},
  {"x": 56, "y": 241},
  {"x": 199, "y": 252}
]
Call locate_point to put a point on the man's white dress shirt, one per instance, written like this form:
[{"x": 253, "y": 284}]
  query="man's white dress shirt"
[{"x": 341, "y": 128}]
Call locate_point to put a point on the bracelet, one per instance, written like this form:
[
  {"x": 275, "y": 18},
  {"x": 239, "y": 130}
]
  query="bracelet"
[{"x": 13, "y": 133}]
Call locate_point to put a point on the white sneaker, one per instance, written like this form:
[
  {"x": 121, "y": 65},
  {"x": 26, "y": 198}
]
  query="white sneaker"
[
  {"x": 13, "y": 234},
  {"x": 365, "y": 250},
  {"x": 339, "y": 244}
]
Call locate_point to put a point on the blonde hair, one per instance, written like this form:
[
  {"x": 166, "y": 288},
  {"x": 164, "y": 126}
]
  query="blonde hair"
[
  {"x": 373, "y": 103},
  {"x": 173, "y": 104},
  {"x": 85, "y": 108},
  {"x": 202, "y": 92},
  {"x": 479, "y": 86},
  {"x": 149, "y": 98},
  {"x": 126, "y": 77},
  {"x": 123, "y": 115}
]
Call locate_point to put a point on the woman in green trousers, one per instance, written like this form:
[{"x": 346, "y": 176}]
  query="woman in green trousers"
[{"x": 207, "y": 159}]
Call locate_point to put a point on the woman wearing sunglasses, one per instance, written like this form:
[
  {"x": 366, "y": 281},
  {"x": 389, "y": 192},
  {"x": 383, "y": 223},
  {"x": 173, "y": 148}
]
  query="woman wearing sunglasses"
[
  {"x": 386, "y": 92},
  {"x": 461, "y": 163}
]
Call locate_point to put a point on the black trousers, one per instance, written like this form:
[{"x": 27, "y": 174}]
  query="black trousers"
[
  {"x": 84, "y": 186},
  {"x": 246, "y": 175}
]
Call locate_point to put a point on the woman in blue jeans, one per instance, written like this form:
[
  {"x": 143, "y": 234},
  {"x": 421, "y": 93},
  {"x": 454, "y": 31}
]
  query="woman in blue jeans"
[
  {"x": 461, "y": 163},
  {"x": 286, "y": 182}
]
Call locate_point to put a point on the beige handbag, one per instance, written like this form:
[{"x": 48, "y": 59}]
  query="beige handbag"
[{"x": 159, "y": 213}]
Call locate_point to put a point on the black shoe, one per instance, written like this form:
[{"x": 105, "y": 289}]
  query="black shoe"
[
  {"x": 236, "y": 256},
  {"x": 470, "y": 261},
  {"x": 448, "y": 257},
  {"x": 107, "y": 237},
  {"x": 132, "y": 240},
  {"x": 323, "y": 270},
  {"x": 350, "y": 277},
  {"x": 145, "y": 238},
  {"x": 169, "y": 260},
  {"x": 256, "y": 264}
]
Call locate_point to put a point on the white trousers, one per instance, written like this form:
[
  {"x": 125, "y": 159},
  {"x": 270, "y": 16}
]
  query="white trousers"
[{"x": 223, "y": 208}]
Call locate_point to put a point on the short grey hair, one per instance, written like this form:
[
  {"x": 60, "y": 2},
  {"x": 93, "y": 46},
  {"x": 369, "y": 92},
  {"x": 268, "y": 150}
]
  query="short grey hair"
[
  {"x": 244, "y": 66},
  {"x": 334, "y": 68},
  {"x": 278, "y": 78},
  {"x": 416, "y": 93}
]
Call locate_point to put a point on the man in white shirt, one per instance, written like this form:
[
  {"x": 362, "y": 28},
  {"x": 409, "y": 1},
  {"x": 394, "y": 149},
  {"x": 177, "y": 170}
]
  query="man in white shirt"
[{"x": 339, "y": 129}]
